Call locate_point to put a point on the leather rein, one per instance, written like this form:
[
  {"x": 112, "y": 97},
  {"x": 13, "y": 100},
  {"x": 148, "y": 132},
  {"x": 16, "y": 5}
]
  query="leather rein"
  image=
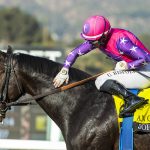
[{"x": 57, "y": 90}]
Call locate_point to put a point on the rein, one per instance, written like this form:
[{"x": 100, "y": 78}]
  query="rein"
[
  {"x": 27, "y": 101},
  {"x": 57, "y": 90}
]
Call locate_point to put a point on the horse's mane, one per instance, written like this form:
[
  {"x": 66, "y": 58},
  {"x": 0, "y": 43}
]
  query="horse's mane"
[
  {"x": 36, "y": 64},
  {"x": 42, "y": 65}
]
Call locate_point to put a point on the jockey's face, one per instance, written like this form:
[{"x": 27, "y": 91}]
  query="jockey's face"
[{"x": 100, "y": 42}]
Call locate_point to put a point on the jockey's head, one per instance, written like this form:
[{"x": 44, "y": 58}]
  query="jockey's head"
[{"x": 95, "y": 28}]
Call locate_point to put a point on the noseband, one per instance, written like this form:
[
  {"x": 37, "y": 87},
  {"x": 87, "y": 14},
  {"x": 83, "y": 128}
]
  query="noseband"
[{"x": 4, "y": 90}]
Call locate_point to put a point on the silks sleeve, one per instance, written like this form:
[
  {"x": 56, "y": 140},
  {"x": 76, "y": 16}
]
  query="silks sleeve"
[
  {"x": 138, "y": 55},
  {"x": 82, "y": 49}
]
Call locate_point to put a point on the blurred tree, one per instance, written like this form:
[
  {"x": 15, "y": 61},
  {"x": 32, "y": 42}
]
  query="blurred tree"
[{"x": 19, "y": 27}]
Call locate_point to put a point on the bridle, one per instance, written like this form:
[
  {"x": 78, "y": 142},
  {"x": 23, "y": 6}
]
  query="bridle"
[{"x": 9, "y": 68}]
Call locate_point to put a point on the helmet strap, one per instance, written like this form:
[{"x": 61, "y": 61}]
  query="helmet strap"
[{"x": 102, "y": 40}]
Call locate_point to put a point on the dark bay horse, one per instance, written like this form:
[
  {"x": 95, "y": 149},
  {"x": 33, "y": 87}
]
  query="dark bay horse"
[{"x": 86, "y": 117}]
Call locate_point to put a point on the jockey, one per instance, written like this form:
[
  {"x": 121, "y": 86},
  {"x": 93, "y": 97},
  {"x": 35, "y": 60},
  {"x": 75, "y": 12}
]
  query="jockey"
[{"x": 132, "y": 70}]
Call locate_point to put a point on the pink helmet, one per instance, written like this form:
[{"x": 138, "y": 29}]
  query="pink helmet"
[{"x": 94, "y": 27}]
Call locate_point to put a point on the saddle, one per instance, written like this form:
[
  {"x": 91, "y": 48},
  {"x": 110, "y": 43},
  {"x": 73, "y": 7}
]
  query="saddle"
[{"x": 141, "y": 118}]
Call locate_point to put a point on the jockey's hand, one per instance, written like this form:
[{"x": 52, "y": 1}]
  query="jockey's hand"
[
  {"x": 121, "y": 65},
  {"x": 61, "y": 77}
]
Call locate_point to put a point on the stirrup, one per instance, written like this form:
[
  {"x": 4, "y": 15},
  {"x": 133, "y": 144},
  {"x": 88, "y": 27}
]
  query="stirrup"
[{"x": 123, "y": 114}]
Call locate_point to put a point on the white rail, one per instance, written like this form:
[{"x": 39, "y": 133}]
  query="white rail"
[{"x": 31, "y": 145}]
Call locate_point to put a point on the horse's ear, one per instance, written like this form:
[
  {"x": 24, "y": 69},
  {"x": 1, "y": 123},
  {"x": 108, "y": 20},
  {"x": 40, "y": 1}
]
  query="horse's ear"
[
  {"x": 9, "y": 50},
  {"x": 2, "y": 56}
]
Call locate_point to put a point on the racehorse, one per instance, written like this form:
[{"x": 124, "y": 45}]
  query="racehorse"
[{"x": 87, "y": 117}]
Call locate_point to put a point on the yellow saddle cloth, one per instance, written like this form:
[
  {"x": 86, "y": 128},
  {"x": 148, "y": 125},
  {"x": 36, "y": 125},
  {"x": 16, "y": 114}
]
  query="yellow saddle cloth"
[{"x": 141, "y": 115}]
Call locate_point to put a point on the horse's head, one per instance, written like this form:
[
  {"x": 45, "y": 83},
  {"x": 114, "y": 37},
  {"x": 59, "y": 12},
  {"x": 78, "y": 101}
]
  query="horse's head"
[{"x": 10, "y": 88}]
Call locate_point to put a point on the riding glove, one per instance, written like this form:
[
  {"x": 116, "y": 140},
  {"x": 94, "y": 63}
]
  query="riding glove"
[{"x": 61, "y": 77}]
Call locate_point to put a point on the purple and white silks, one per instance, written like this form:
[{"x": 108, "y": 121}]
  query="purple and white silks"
[{"x": 120, "y": 46}]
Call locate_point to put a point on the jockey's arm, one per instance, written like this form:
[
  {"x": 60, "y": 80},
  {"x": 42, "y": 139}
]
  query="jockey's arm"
[
  {"x": 63, "y": 75},
  {"x": 127, "y": 47},
  {"x": 78, "y": 51}
]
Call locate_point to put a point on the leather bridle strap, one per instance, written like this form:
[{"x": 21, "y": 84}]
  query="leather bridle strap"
[{"x": 4, "y": 90}]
